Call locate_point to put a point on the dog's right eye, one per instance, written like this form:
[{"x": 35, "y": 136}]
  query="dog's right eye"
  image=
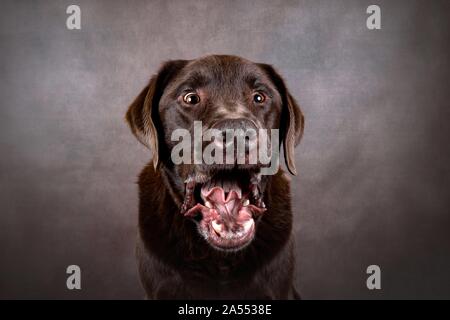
[{"x": 191, "y": 98}]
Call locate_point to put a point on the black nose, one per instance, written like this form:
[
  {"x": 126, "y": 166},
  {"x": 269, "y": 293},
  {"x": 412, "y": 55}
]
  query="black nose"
[{"x": 236, "y": 131}]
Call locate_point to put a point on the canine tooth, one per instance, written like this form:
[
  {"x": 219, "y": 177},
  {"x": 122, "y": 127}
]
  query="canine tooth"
[
  {"x": 197, "y": 178},
  {"x": 208, "y": 204},
  {"x": 201, "y": 178},
  {"x": 246, "y": 202},
  {"x": 256, "y": 178},
  {"x": 247, "y": 225},
  {"x": 217, "y": 227},
  {"x": 189, "y": 201}
]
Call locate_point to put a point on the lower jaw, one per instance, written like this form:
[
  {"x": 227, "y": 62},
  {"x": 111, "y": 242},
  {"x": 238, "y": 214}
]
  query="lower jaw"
[
  {"x": 230, "y": 247},
  {"x": 225, "y": 207},
  {"x": 230, "y": 244}
]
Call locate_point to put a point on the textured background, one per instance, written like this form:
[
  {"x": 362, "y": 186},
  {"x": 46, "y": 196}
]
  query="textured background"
[{"x": 374, "y": 174}]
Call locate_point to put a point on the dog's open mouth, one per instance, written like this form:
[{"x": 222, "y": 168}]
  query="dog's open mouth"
[{"x": 225, "y": 206}]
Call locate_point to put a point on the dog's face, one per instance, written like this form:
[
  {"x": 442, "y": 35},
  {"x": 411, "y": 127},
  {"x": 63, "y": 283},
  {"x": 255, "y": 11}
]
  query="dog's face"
[{"x": 224, "y": 94}]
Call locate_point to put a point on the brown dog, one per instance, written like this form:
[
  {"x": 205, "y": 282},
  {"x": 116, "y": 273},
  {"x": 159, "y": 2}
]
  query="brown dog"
[{"x": 215, "y": 231}]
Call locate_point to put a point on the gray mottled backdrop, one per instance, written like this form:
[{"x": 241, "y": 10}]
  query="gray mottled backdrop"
[{"x": 373, "y": 186}]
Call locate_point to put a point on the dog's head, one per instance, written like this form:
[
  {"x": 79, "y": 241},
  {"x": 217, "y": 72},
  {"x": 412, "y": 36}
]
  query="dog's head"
[{"x": 208, "y": 104}]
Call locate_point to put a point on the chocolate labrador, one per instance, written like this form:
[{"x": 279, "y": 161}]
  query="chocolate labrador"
[{"x": 215, "y": 230}]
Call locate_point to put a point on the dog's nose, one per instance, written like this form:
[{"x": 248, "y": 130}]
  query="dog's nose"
[
  {"x": 234, "y": 124},
  {"x": 236, "y": 131}
]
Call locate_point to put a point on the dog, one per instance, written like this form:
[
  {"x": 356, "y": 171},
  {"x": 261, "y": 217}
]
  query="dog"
[{"x": 215, "y": 231}]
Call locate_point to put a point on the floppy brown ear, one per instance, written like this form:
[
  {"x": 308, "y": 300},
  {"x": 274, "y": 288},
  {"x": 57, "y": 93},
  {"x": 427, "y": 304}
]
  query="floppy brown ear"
[
  {"x": 292, "y": 121},
  {"x": 140, "y": 121},
  {"x": 142, "y": 114},
  {"x": 295, "y": 122}
]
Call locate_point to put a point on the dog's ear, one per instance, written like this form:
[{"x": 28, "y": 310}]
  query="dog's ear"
[
  {"x": 142, "y": 115},
  {"x": 292, "y": 121}
]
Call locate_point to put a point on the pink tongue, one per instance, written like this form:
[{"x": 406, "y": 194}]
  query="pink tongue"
[{"x": 224, "y": 205}]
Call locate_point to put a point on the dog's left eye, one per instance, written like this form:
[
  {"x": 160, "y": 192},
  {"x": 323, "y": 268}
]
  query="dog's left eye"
[{"x": 191, "y": 98}]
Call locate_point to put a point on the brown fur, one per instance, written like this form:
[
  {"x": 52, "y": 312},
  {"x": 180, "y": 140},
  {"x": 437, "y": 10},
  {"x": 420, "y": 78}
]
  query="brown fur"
[{"x": 175, "y": 262}]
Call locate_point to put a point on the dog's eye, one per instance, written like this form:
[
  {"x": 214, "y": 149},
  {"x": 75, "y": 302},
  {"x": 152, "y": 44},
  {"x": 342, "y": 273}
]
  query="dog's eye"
[
  {"x": 191, "y": 98},
  {"x": 259, "y": 97}
]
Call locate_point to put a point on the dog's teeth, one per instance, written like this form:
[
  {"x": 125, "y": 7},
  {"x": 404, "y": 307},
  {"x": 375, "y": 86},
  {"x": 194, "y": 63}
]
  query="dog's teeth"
[
  {"x": 208, "y": 204},
  {"x": 246, "y": 203},
  {"x": 247, "y": 225},
  {"x": 217, "y": 227},
  {"x": 256, "y": 178},
  {"x": 201, "y": 178}
]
